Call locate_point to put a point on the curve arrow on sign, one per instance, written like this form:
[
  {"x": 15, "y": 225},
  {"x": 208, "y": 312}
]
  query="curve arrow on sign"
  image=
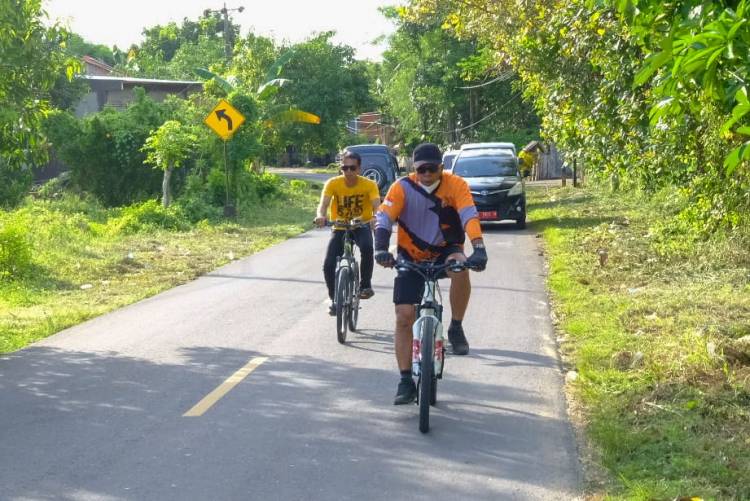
[{"x": 222, "y": 114}]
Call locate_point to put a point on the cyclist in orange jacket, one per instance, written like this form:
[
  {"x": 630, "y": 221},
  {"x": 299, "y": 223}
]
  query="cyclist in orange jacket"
[{"x": 434, "y": 211}]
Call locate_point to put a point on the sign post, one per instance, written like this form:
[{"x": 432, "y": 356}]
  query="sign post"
[{"x": 224, "y": 120}]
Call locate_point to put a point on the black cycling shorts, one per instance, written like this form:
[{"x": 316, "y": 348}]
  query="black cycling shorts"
[{"x": 408, "y": 286}]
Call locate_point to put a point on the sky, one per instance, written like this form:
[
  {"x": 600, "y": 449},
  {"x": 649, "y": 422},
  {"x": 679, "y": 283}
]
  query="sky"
[{"x": 120, "y": 22}]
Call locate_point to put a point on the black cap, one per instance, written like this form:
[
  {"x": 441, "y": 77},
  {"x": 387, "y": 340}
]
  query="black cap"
[{"x": 428, "y": 152}]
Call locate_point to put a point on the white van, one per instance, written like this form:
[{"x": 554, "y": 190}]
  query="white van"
[{"x": 490, "y": 146}]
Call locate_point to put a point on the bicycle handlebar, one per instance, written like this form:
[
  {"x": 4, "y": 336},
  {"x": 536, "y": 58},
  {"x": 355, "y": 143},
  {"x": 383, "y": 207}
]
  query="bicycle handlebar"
[
  {"x": 429, "y": 270},
  {"x": 347, "y": 225}
]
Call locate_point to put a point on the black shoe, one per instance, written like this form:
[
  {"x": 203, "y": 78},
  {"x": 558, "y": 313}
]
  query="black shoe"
[
  {"x": 366, "y": 293},
  {"x": 332, "y": 310},
  {"x": 406, "y": 393},
  {"x": 458, "y": 341}
]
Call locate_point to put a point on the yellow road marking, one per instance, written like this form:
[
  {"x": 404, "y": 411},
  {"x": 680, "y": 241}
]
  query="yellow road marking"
[{"x": 224, "y": 388}]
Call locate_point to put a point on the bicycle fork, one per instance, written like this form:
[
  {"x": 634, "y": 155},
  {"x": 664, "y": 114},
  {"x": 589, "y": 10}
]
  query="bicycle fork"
[{"x": 416, "y": 348}]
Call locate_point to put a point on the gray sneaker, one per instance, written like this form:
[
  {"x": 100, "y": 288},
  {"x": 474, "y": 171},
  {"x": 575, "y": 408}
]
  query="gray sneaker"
[
  {"x": 458, "y": 341},
  {"x": 406, "y": 393}
]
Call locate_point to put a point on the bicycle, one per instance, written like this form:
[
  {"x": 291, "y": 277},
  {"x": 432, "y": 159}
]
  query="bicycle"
[
  {"x": 346, "y": 295},
  {"x": 428, "y": 345}
]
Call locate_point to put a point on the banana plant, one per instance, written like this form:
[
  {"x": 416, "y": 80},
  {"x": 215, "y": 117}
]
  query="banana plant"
[{"x": 273, "y": 115}]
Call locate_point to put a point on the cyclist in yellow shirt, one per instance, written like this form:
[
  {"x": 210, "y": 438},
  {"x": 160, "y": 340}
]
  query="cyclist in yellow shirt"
[{"x": 349, "y": 196}]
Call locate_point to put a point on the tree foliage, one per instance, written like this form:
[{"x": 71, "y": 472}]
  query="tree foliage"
[
  {"x": 104, "y": 153},
  {"x": 648, "y": 90},
  {"x": 326, "y": 80},
  {"x": 435, "y": 86},
  {"x": 175, "y": 50},
  {"x": 168, "y": 148},
  {"x": 32, "y": 58}
]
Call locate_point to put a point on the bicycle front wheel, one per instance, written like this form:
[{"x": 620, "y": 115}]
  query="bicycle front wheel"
[
  {"x": 343, "y": 286},
  {"x": 354, "y": 299},
  {"x": 427, "y": 379}
]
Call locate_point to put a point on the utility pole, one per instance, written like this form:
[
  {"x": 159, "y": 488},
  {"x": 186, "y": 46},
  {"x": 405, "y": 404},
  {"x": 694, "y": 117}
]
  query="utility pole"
[
  {"x": 229, "y": 209},
  {"x": 224, "y": 11}
]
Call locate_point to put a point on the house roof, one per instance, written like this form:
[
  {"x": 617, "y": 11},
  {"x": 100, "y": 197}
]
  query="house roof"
[
  {"x": 131, "y": 80},
  {"x": 96, "y": 62}
]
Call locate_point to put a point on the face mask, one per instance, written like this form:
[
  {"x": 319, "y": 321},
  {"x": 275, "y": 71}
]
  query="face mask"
[{"x": 430, "y": 188}]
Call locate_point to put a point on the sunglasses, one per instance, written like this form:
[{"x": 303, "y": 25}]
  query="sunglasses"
[
  {"x": 431, "y": 168},
  {"x": 349, "y": 167}
]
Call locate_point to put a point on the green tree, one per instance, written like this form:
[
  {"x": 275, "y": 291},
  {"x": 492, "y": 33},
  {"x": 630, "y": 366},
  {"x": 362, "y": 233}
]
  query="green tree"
[
  {"x": 437, "y": 87},
  {"x": 167, "y": 148},
  {"x": 77, "y": 46},
  {"x": 32, "y": 59},
  {"x": 175, "y": 50},
  {"x": 327, "y": 81},
  {"x": 652, "y": 92}
]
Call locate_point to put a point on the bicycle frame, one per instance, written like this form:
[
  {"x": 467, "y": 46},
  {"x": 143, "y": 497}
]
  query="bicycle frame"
[
  {"x": 429, "y": 308},
  {"x": 347, "y": 273}
]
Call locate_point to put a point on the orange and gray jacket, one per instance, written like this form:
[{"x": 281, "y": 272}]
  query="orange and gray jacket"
[{"x": 427, "y": 222}]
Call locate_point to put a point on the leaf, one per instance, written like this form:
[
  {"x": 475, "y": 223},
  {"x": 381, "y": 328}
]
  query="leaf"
[
  {"x": 653, "y": 63},
  {"x": 271, "y": 87},
  {"x": 660, "y": 109},
  {"x": 739, "y": 111},
  {"x": 298, "y": 116},
  {"x": 736, "y": 156},
  {"x": 717, "y": 52},
  {"x": 275, "y": 70},
  {"x": 209, "y": 75},
  {"x": 741, "y": 95},
  {"x": 733, "y": 31}
]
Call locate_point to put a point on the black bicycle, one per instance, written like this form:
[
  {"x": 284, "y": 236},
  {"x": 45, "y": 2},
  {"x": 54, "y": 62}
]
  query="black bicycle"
[
  {"x": 346, "y": 295},
  {"x": 428, "y": 345}
]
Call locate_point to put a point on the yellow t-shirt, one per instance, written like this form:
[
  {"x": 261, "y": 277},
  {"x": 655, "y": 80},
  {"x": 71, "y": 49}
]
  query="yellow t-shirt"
[{"x": 349, "y": 203}]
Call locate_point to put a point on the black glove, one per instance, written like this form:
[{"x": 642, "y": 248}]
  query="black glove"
[
  {"x": 478, "y": 260},
  {"x": 384, "y": 258}
]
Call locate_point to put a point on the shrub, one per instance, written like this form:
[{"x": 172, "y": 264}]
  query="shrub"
[
  {"x": 14, "y": 184},
  {"x": 15, "y": 248},
  {"x": 148, "y": 216},
  {"x": 103, "y": 151},
  {"x": 266, "y": 185},
  {"x": 198, "y": 201},
  {"x": 297, "y": 185}
]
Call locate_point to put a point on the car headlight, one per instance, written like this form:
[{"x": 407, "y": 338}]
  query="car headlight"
[{"x": 516, "y": 190}]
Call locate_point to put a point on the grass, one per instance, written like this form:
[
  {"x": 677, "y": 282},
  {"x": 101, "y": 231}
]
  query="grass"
[
  {"x": 645, "y": 312},
  {"x": 85, "y": 264}
]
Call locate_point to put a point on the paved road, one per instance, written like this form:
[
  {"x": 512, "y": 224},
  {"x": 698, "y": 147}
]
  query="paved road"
[
  {"x": 97, "y": 411},
  {"x": 300, "y": 173}
]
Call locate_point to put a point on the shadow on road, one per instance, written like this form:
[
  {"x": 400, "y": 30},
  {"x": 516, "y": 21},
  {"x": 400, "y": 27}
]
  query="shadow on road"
[{"x": 99, "y": 425}]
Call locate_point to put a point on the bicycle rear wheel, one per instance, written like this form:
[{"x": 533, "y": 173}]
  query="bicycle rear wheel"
[
  {"x": 343, "y": 285},
  {"x": 354, "y": 301},
  {"x": 427, "y": 380}
]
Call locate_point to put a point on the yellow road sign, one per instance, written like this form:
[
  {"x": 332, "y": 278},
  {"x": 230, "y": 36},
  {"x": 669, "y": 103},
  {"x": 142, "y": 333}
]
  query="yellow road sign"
[{"x": 224, "y": 120}]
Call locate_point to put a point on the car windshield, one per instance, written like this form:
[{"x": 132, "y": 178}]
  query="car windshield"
[
  {"x": 448, "y": 161},
  {"x": 485, "y": 166},
  {"x": 369, "y": 159}
]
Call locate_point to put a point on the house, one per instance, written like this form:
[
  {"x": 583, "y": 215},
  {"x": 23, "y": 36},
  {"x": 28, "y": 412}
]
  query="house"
[
  {"x": 93, "y": 66},
  {"x": 109, "y": 89},
  {"x": 371, "y": 125},
  {"x": 117, "y": 92}
]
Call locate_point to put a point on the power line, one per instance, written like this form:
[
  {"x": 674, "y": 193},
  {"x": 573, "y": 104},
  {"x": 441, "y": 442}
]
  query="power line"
[
  {"x": 500, "y": 78},
  {"x": 459, "y": 129}
]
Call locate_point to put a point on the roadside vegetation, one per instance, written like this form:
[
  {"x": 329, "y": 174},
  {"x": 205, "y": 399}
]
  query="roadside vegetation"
[
  {"x": 648, "y": 264},
  {"x": 654, "y": 320},
  {"x": 65, "y": 258}
]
